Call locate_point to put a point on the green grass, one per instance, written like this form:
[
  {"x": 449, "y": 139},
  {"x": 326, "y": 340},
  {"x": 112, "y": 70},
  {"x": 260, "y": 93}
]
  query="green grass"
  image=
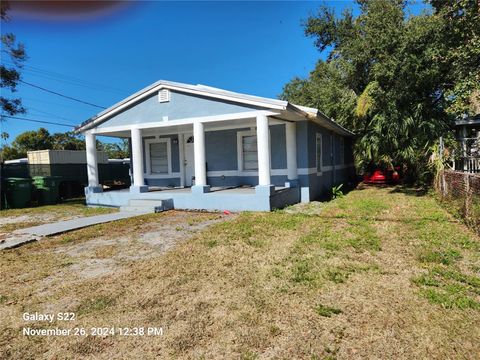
[
  {"x": 95, "y": 305},
  {"x": 445, "y": 256},
  {"x": 441, "y": 248},
  {"x": 327, "y": 311}
]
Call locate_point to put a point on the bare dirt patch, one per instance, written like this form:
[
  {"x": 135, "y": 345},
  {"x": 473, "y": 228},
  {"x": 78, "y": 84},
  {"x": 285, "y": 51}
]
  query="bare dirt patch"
[{"x": 106, "y": 254}]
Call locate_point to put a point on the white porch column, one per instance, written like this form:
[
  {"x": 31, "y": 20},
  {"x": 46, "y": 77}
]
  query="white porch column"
[
  {"x": 200, "y": 159},
  {"x": 263, "y": 150},
  {"x": 291, "y": 145},
  {"x": 137, "y": 161},
  {"x": 92, "y": 166},
  {"x": 181, "y": 156}
]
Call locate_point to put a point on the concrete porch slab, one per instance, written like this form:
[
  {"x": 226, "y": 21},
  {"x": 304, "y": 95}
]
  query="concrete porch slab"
[{"x": 217, "y": 199}]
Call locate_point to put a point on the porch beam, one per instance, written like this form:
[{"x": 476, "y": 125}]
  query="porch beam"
[
  {"x": 137, "y": 161},
  {"x": 188, "y": 121},
  {"x": 291, "y": 145},
  {"x": 263, "y": 151}
]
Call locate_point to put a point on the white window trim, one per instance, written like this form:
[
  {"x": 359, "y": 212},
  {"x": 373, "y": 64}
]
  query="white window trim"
[
  {"x": 149, "y": 173},
  {"x": 241, "y": 171},
  {"x": 240, "y": 135},
  {"x": 317, "y": 137}
]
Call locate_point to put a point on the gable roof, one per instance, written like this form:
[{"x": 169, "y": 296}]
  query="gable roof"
[{"x": 216, "y": 93}]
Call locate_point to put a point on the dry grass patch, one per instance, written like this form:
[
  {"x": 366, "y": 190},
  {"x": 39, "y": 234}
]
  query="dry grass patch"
[
  {"x": 65, "y": 209},
  {"x": 340, "y": 284},
  {"x": 14, "y": 219}
]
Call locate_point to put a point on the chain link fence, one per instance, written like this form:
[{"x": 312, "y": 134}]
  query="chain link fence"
[{"x": 460, "y": 192}]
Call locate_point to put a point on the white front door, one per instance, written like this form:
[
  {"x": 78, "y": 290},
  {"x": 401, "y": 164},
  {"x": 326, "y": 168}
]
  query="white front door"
[{"x": 189, "y": 159}]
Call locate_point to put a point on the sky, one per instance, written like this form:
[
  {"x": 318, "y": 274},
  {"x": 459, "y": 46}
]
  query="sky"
[{"x": 107, "y": 54}]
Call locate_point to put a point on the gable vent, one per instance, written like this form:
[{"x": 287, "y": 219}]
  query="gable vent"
[{"x": 164, "y": 95}]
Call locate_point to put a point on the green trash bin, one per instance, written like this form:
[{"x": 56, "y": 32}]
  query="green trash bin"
[
  {"x": 46, "y": 189},
  {"x": 3, "y": 195},
  {"x": 18, "y": 192}
]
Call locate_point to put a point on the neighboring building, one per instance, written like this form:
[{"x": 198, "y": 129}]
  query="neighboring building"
[
  {"x": 207, "y": 148},
  {"x": 468, "y": 135},
  {"x": 69, "y": 168}
]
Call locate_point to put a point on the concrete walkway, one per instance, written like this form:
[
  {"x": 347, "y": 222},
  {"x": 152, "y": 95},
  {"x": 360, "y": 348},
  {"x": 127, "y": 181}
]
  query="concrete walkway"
[{"x": 23, "y": 236}]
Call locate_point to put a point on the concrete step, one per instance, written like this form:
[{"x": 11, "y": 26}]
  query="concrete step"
[{"x": 148, "y": 205}]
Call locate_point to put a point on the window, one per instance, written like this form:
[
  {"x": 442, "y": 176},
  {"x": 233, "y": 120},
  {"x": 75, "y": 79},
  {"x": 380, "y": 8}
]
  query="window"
[
  {"x": 247, "y": 155},
  {"x": 249, "y": 152},
  {"x": 158, "y": 156},
  {"x": 319, "y": 153}
]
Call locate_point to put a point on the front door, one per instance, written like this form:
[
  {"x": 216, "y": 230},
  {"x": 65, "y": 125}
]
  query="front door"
[{"x": 189, "y": 160}]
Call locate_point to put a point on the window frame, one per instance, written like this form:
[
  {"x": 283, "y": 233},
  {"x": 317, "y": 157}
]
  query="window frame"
[
  {"x": 148, "y": 159},
  {"x": 240, "y": 136}
]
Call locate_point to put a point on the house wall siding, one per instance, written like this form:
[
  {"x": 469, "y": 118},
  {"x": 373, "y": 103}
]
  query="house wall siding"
[
  {"x": 221, "y": 155},
  {"x": 180, "y": 106},
  {"x": 319, "y": 185}
]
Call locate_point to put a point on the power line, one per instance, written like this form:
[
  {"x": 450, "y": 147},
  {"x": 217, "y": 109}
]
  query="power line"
[
  {"x": 37, "y": 121},
  {"x": 65, "y": 78},
  {"x": 69, "y": 105},
  {"x": 29, "y": 108},
  {"x": 65, "y": 96}
]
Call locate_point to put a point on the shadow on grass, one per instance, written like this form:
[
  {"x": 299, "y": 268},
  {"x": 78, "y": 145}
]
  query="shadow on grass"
[
  {"x": 408, "y": 190},
  {"x": 395, "y": 189}
]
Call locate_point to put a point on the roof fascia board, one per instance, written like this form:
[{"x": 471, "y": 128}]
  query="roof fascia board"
[{"x": 321, "y": 119}]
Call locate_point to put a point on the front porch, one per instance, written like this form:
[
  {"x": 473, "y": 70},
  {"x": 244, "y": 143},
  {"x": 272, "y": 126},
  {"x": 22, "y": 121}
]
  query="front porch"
[
  {"x": 217, "y": 199},
  {"x": 210, "y": 163}
]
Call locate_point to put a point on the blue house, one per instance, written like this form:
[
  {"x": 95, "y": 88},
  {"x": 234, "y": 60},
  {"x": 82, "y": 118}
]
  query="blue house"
[{"x": 201, "y": 147}]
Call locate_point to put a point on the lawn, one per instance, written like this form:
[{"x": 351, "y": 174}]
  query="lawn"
[
  {"x": 379, "y": 273},
  {"x": 13, "y": 219}
]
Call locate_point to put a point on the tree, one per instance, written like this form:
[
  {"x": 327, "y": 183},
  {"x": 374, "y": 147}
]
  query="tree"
[
  {"x": 390, "y": 75},
  {"x": 67, "y": 141},
  {"x": 10, "y": 74},
  {"x": 43, "y": 140},
  {"x": 460, "y": 53},
  {"x": 325, "y": 89},
  {"x": 32, "y": 140},
  {"x": 116, "y": 150}
]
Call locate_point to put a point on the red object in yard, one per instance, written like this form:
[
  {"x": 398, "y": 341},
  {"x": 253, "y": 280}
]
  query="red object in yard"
[
  {"x": 395, "y": 176},
  {"x": 382, "y": 177},
  {"x": 226, "y": 212}
]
